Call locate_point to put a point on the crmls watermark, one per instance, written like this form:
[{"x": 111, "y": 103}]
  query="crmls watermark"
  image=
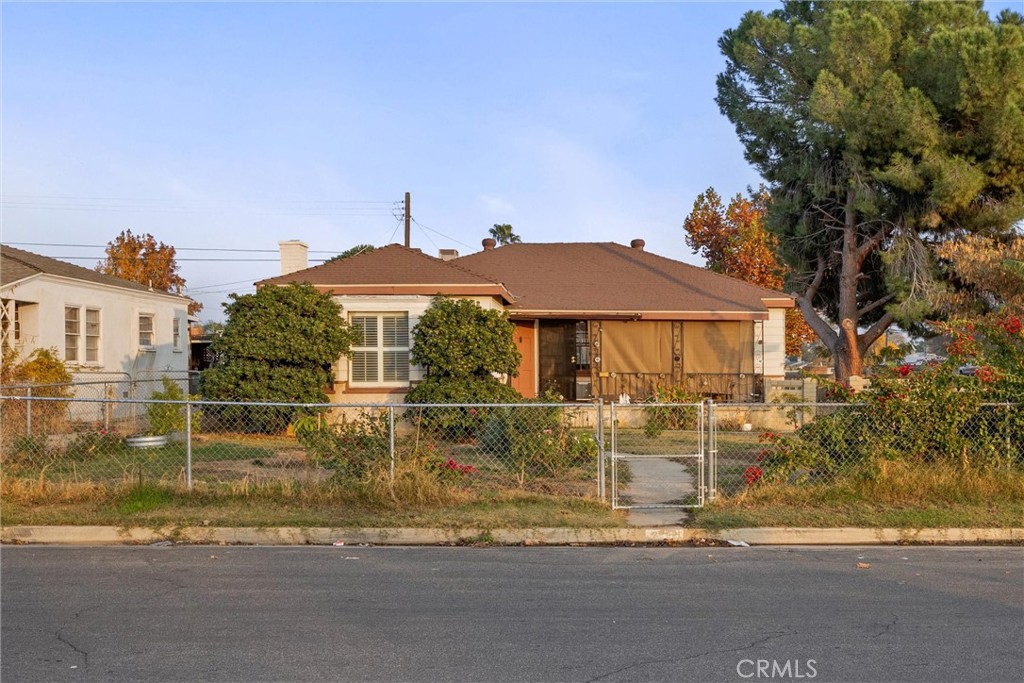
[{"x": 774, "y": 669}]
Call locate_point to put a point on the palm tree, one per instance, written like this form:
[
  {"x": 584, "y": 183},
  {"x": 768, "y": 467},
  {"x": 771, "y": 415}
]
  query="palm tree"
[{"x": 503, "y": 234}]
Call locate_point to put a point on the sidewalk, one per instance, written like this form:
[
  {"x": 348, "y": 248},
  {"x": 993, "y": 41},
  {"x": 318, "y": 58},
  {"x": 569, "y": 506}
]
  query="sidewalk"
[{"x": 109, "y": 535}]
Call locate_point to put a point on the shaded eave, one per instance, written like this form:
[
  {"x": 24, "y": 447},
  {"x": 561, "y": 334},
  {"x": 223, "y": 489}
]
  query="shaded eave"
[
  {"x": 494, "y": 290},
  {"x": 178, "y": 298},
  {"x": 774, "y": 302},
  {"x": 516, "y": 314}
]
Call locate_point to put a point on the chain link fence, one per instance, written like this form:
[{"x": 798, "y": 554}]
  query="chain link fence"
[
  {"x": 545, "y": 448},
  {"x": 821, "y": 443},
  {"x": 639, "y": 455}
]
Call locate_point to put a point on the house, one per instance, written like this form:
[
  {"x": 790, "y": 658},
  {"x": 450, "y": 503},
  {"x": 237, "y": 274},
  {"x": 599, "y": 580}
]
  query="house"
[
  {"x": 591, "y": 319},
  {"x": 101, "y": 326}
]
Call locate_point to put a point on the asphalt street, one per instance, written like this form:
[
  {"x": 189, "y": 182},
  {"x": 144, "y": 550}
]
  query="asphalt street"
[{"x": 234, "y": 613}]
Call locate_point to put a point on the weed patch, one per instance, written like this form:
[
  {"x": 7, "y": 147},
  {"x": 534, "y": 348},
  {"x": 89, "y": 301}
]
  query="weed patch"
[{"x": 143, "y": 498}]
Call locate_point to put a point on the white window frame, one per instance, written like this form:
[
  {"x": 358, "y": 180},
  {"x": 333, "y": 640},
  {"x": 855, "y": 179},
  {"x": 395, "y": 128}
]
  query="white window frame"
[
  {"x": 176, "y": 335},
  {"x": 76, "y": 334},
  {"x": 379, "y": 349},
  {"x": 87, "y": 334},
  {"x": 152, "y": 331},
  {"x": 10, "y": 315}
]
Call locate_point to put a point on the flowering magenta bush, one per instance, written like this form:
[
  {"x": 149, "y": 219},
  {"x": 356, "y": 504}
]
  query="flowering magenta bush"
[
  {"x": 752, "y": 475},
  {"x": 448, "y": 470}
]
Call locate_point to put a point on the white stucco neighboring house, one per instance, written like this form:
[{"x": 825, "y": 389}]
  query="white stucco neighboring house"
[{"x": 101, "y": 326}]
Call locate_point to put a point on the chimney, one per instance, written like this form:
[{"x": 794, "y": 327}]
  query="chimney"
[
  {"x": 448, "y": 254},
  {"x": 488, "y": 244},
  {"x": 637, "y": 244},
  {"x": 293, "y": 256}
]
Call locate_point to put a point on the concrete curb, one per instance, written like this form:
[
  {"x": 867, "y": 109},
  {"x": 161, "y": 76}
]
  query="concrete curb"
[{"x": 108, "y": 535}]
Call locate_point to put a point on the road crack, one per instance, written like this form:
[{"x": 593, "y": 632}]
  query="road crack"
[
  {"x": 886, "y": 628},
  {"x": 59, "y": 634}
]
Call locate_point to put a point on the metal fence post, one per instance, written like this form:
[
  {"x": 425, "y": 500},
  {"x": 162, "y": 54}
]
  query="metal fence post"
[
  {"x": 28, "y": 413},
  {"x": 712, "y": 451},
  {"x": 131, "y": 406},
  {"x": 614, "y": 483},
  {"x": 1006, "y": 430},
  {"x": 106, "y": 407},
  {"x": 391, "y": 440},
  {"x": 599, "y": 435},
  {"x": 188, "y": 445}
]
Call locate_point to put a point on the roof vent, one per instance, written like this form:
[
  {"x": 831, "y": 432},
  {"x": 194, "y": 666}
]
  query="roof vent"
[
  {"x": 448, "y": 254},
  {"x": 638, "y": 244},
  {"x": 488, "y": 243}
]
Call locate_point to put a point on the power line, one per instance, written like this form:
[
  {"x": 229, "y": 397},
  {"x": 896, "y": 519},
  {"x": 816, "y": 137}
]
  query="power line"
[
  {"x": 437, "y": 232},
  {"x": 349, "y": 208},
  {"x": 427, "y": 235},
  {"x": 341, "y": 213},
  {"x": 228, "y": 201},
  {"x": 394, "y": 232},
  {"x": 227, "y": 249},
  {"x": 198, "y": 288},
  {"x": 179, "y": 260}
]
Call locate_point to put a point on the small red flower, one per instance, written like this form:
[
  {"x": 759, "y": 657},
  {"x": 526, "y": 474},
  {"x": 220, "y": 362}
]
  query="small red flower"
[
  {"x": 752, "y": 475},
  {"x": 904, "y": 370},
  {"x": 472, "y": 411},
  {"x": 1012, "y": 325},
  {"x": 985, "y": 374}
]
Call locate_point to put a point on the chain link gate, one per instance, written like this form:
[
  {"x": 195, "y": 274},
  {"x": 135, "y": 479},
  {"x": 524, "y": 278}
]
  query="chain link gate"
[{"x": 658, "y": 456}]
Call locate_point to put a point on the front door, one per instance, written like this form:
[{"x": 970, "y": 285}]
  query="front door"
[
  {"x": 557, "y": 342},
  {"x": 526, "y": 381}
]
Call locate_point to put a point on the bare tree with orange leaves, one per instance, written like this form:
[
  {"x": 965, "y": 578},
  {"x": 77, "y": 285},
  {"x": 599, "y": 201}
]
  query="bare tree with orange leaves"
[
  {"x": 733, "y": 241},
  {"x": 140, "y": 258}
]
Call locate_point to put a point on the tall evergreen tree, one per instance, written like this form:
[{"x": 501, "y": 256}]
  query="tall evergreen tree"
[{"x": 883, "y": 129}]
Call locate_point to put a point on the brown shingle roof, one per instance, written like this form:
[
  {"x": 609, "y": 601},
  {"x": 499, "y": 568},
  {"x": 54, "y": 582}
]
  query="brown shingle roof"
[
  {"x": 393, "y": 269},
  {"x": 17, "y": 264},
  {"x": 612, "y": 279}
]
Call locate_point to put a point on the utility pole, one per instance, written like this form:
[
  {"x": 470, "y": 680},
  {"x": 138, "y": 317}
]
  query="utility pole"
[{"x": 408, "y": 216}]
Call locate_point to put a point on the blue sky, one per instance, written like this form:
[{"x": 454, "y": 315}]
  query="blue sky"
[{"x": 234, "y": 126}]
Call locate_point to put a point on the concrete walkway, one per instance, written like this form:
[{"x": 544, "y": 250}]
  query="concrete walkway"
[{"x": 657, "y": 481}]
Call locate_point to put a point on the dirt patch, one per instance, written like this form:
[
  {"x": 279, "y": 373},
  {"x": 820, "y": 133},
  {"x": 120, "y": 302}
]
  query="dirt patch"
[{"x": 283, "y": 466}]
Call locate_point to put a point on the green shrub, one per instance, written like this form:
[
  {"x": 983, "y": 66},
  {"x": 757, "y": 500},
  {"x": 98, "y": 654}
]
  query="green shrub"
[
  {"x": 457, "y": 423},
  {"x": 167, "y": 418},
  {"x": 44, "y": 369},
  {"x": 350, "y": 448},
  {"x": 661, "y": 417},
  {"x": 537, "y": 441},
  {"x": 461, "y": 346},
  {"x": 278, "y": 346},
  {"x": 932, "y": 416},
  {"x": 94, "y": 443},
  {"x": 458, "y": 338}
]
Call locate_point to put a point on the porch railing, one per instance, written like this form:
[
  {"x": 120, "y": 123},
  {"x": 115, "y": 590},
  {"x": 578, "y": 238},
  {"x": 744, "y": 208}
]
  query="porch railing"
[{"x": 643, "y": 386}]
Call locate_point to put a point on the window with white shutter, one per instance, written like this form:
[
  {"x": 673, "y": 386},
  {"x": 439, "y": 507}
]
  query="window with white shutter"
[{"x": 380, "y": 356}]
